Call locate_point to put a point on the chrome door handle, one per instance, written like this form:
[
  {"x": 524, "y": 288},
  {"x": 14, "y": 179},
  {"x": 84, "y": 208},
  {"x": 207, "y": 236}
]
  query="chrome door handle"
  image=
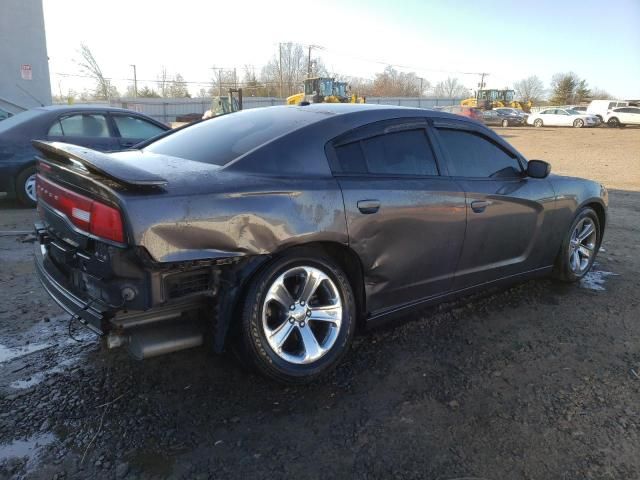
[
  {"x": 479, "y": 205},
  {"x": 368, "y": 206}
]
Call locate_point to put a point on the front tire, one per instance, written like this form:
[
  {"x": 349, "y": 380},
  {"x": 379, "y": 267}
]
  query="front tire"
[
  {"x": 537, "y": 122},
  {"x": 298, "y": 318},
  {"x": 579, "y": 247},
  {"x": 578, "y": 123},
  {"x": 26, "y": 187}
]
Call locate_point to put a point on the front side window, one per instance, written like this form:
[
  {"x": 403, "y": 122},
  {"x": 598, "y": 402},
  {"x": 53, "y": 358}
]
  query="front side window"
[
  {"x": 136, "y": 128},
  {"x": 406, "y": 152},
  {"x": 474, "y": 155},
  {"x": 81, "y": 125}
]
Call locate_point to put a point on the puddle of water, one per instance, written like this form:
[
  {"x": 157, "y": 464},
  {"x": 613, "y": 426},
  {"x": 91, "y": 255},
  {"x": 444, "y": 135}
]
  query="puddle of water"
[
  {"x": 7, "y": 354},
  {"x": 31, "y": 447},
  {"x": 594, "y": 280},
  {"x": 38, "y": 377}
]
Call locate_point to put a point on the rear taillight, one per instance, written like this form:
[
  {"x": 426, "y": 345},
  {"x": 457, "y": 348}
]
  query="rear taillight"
[{"x": 85, "y": 213}]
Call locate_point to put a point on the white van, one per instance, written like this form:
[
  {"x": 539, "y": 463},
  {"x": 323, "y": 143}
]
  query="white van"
[{"x": 599, "y": 108}]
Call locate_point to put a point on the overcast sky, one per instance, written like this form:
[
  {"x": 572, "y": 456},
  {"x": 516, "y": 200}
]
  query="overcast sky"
[{"x": 598, "y": 40}]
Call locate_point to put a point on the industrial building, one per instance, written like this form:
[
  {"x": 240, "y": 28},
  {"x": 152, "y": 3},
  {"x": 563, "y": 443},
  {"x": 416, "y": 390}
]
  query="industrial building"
[{"x": 24, "y": 65}]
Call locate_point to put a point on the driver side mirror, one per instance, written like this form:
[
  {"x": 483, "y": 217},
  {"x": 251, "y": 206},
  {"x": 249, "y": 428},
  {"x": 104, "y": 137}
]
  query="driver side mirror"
[{"x": 538, "y": 169}]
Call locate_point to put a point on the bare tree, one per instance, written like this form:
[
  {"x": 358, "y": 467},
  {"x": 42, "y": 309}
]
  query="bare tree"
[
  {"x": 530, "y": 89},
  {"x": 393, "y": 83},
  {"x": 288, "y": 68},
  {"x": 600, "y": 94},
  {"x": 178, "y": 88},
  {"x": 451, "y": 88},
  {"x": 104, "y": 90}
]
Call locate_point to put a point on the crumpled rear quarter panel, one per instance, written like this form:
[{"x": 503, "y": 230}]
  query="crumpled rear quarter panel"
[{"x": 262, "y": 216}]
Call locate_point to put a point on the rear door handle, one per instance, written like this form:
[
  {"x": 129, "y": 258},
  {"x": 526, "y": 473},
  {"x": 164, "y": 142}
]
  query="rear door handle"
[
  {"x": 368, "y": 206},
  {"x": 479, "y": 206}
]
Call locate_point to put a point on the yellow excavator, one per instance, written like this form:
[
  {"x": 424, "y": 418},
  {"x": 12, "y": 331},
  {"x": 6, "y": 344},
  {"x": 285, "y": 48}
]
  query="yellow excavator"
[
  {"x": 324, "y": 90},
  {"x": 488, "y": 99}
]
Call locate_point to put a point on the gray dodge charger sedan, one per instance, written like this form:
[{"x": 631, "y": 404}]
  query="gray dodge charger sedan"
[{"x": 278, "y": 233}]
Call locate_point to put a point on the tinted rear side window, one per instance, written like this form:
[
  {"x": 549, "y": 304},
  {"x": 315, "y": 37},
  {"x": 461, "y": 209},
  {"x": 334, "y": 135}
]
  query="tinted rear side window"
[
  {"x": 473, "y": 155},
  {"x": 397, "y": 153},
  {"x": 220, "y": 140}
]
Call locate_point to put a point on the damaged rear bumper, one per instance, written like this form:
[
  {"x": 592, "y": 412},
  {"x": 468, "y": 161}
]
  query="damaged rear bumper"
[{"x": 89, "y": 313}]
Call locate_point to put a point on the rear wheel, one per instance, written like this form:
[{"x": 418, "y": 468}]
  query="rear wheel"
[
  {"x": 578, "y": 123},
  {"x": 579, "y": 247},
  {"x": 26, "y": 187},
  {"x": 537, "y": 122},
  {"x": 613, "y": 122},
  {"x": 298, "y": 318}
]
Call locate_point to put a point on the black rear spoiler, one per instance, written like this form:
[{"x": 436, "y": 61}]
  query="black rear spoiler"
[{"x": 100, "y": 163}]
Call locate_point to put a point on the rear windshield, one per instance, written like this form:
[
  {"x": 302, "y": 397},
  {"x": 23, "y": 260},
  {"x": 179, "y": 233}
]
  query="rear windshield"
[
  {"x": 18, "y": 119},
  {"x": 222, "y": 139}
]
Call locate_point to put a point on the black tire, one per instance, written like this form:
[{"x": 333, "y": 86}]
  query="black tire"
[
  {"x": 578, "y": 123},
  {"x": 613, "y": 122},
  {"x": 505, "y": 123},
  {"x": 23, "y": 180},
  {"x": 251, "y": 342},
  {"x": 562, "y": 268},
  {"x": 538, "y": 123}
]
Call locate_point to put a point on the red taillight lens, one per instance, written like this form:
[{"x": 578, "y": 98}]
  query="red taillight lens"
[
  {"x": 88, "y": 215},
  {"x": 106, "y": 222}
]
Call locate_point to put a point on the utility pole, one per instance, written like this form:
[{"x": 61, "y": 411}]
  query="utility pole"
[
  {"x": 421, "y": 82},
  {"x": 280, "y": 65},
  {"x": 219, "y": 82},
  {"x": 135, "y": 82},
  {"x": 482, "y": 75},
  {"x": 309, "y": 62}
]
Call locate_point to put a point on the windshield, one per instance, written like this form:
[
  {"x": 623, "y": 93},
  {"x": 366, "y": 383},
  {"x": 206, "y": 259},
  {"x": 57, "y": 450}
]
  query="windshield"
[
  {"x": 18, "y": 119},
  {"x": 326, "y": 87},
  {"x": 573, "y": 112}
]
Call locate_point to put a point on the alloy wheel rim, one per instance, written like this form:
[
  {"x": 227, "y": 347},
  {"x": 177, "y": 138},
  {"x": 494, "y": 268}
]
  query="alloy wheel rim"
[
  {"x": 582, "y": 246},
  {"x": 302, "y": 315},
  {"x": 30, "y": 187}
]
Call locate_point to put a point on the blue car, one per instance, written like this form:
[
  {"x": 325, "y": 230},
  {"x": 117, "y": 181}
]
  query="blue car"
[{"x": 99, "y": 128}]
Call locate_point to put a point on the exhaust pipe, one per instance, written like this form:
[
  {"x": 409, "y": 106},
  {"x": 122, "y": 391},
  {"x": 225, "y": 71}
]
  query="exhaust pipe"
[{"x": 160, "y": 339}]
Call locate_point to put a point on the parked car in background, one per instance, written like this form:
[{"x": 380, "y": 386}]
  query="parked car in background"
[
  {"x": 469, "y": 112},
  {"x": 99, "y": 128},
  {"x": 496, "y": 117},
  {"x": 4, "y": 114},
  {"x": 562, "y": 117},
  {"x": 512, "y": 111},
  {"x": 599, "y": 108},
  {"x": 619, "y": 117},
  {"x": 282, "y": 230}
]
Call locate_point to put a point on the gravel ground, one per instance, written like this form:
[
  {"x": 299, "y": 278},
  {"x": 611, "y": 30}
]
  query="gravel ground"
[{"x": 540, "y": 381}]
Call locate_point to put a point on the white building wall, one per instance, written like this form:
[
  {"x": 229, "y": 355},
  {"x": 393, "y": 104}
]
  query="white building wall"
[{"x": 23, "y": 42}]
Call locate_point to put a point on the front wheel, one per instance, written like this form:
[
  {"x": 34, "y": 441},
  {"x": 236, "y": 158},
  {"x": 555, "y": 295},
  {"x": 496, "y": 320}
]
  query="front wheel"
[
  {"x": 579, "y": 247},
  {"x": 298, "y": 318},
  {"x": 26, "y": 187},
  {"x": 578, "y": 123},
  {"x": 537, "y": 122}
]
